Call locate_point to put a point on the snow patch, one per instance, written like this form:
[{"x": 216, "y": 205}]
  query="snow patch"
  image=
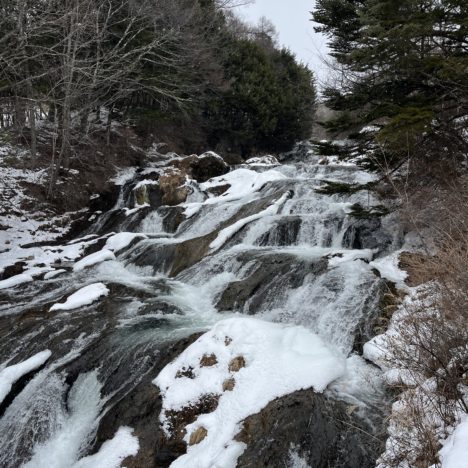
[
  {"x": 16, "y": 281},
  {"x": 454, "y": 453},
  {"x": 389, "y": 269},
  {"x": 124, "y": 444},
  {"x": 83, "y": 297},
  {"x": 93, "y": 259},
  {"x": 9, "y": 375}
]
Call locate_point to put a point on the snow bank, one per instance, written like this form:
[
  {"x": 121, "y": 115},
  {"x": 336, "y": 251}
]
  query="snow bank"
[
  {"x": 83, "y": 297},
  {"x": 225, "y": 234},
  {"x": 93, "y": 259},
  {"x": 9, "y": 375},
  {"x": 454, "y": 453},
  {"x": 121, "y": 240},
  {"x": 279, "y": 359},
  {"x": 16, "y": 280},
  {"x": 124, "y": 444}
]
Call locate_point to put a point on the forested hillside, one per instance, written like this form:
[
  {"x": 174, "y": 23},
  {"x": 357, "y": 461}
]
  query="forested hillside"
[{"x": 187, "y": 73}]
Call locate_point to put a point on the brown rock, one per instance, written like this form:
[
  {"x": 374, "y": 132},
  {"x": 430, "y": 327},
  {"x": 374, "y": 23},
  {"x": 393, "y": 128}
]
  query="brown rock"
[
  {"x": 229, "y": 384},
  {"x": 203, "y": 167},
  {"x": 208, "y": 360},
  {"x": 198, "y": 435},
  {"x": 237, "y": 364},
  {"x": 172, "y": 185},
  {"x": 141, "y": 195}
]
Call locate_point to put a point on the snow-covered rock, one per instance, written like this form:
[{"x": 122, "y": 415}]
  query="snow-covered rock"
[
  {"x": 261, "y": 361},
  {"x": 93, "y": 259},
  {"x": 9, "y": 375},
  {"x": 83, "y": 297}
]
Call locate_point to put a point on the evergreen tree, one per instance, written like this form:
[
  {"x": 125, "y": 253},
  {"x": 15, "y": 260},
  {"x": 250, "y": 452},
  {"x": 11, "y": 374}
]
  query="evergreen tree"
[{"x": 404, "y": 62}]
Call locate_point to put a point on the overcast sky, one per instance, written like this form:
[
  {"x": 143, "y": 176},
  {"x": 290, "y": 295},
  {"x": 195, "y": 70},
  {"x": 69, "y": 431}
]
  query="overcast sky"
[{"x": 291, "y": 18}]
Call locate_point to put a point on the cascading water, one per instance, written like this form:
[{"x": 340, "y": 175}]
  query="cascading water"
[{"x": 270, "y": 246}]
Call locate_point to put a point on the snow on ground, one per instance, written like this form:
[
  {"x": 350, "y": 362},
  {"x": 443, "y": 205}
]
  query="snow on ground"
[
  {"x": 454, "y": 453},
  {"x": 94, "y": 258},
  {"x": 9, "y": 375},
  {"x": 279, "y": 360},
  {"x": 83, "y": 297},
  {"x": 225, "y": 234}
]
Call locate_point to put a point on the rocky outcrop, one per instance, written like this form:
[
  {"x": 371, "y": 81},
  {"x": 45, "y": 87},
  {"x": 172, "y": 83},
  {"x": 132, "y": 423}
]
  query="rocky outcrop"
[
  {"x": 203, "y": 167},
  {"x": 322, "y": 431},
  {"x": 367, "y": 234},
  {"x": 173, "y": 187}
]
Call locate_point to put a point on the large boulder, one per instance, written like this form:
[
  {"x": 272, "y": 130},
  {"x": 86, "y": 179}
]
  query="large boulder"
[
  {"x": 320, "y": 432},
  {"x": 173, "y": 187},
  {"x": 203, "y": 167}
]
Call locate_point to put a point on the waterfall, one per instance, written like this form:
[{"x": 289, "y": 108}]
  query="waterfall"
[{"x": 271, "y": 245}]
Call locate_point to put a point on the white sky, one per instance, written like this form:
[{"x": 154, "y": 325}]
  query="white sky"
[{"x": 291, "y": 18}]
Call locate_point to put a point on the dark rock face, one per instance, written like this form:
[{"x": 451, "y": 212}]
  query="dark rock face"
[
  {"x": 285, "y": 232},
  {"x": 366, "y": 234},
  {"x": 12, "y": 270},
  {"x": 275, "y": 273},
  {"x": 318, "y": 428}
]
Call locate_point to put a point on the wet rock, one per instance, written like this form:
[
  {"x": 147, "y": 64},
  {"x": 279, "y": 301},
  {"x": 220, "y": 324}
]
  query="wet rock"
[
  {"x": 318, "y": 428},
  {"x": 367, "y": 234},
  {"x": 218, "y": 190},
  {"x": 284, "y": 232},
  {"x": 141, "y": 195},
  {"x": 158, "y": 256},
  {"x": 208, "y": 360},
  {"x": 198, "y": 435},
  {"x": 140, "y": 409},
  {"x": 237, "y": 364},
  {"x": 377, "y": 313},
  {"x": 173, "y": 216},
  {"x": 273, "y": 273},
  {"x": 13, "y": 270},
  {"x": 191, "y": 251}
]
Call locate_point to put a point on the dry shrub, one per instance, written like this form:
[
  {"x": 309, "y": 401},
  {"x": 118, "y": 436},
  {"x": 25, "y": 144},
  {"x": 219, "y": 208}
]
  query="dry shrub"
[{"x": 430, "y": 346}]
